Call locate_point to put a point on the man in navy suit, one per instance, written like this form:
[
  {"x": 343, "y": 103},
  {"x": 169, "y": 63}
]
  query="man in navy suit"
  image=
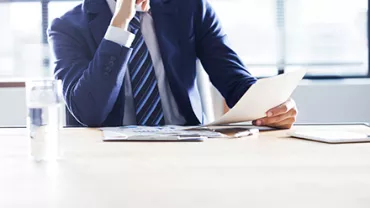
[{"x": 120, "y": 65}]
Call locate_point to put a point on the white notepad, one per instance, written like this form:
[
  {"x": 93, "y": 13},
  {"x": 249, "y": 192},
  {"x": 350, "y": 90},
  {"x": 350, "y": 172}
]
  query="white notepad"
[{"x": 332, "y": 137}]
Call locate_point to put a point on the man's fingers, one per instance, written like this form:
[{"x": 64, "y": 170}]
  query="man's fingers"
[
  {"x": 276, "y": 119},
  {"x": 145, "y": 6},
  {"x": 271, "y": 120},
  {"x": 140, "y": 1},
  {"x": 281, "y": 109},
  {"x": 285, "y": 124},
  {"x": 282, "y": 116}
]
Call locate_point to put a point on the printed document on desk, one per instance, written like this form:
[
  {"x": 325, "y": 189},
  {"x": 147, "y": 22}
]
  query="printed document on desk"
[
  {"x": 261, "y": 97},
  {"x": 164, "y": 133}
]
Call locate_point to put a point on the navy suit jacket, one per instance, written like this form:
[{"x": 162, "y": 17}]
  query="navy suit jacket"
[{"x": 92, "y": 68}]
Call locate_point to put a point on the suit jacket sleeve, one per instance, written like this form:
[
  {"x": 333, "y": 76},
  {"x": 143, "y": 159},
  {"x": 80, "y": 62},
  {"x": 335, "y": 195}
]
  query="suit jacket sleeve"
[
  {"x": 225, "y": 69},
  {"x": 91, "y": 82}
]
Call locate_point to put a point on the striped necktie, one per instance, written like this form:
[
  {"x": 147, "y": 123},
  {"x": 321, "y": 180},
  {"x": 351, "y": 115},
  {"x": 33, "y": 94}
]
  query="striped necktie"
[{"x": 145, "y": 91}]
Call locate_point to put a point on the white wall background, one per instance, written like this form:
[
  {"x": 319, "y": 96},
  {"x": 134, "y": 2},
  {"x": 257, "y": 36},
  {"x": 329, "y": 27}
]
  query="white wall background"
[
  {"x": 12, "y": 107},
  {"x": 318, "y": 101},
  {"x": 334, "y": 101}
]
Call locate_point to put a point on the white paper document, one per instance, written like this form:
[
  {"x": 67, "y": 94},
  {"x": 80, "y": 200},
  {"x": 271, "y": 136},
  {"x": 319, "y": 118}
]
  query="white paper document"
[{"x": 261, "y": 97}]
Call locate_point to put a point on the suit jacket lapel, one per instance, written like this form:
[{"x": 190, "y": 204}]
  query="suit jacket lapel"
[{"x": 163, "y": 13}]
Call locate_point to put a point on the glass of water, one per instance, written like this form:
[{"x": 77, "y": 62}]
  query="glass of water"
[{"x": 43, "y": 122}]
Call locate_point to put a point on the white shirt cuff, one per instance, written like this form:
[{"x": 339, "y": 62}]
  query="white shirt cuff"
[{"x": 119, "y": 36}]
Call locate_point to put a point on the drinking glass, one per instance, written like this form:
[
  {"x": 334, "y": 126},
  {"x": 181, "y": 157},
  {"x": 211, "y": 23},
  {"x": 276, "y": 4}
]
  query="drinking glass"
[{"x": 43, "y": 121}]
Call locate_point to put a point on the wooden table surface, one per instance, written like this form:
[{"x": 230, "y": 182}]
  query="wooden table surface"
[{"x": 270, "y": 170}]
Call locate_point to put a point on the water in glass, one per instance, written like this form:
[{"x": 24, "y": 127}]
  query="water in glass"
[{"x": 43, "y": 105}]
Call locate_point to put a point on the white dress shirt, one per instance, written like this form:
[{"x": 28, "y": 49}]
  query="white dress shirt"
[{"x": 120, "y": 36}]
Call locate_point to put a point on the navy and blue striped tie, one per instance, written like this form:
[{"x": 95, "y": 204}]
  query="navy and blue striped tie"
[{"x": 143, "y": 80}]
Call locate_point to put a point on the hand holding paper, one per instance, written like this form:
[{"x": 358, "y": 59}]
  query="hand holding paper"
[
  {"x": 282, "y": 116},
  {"x": 264, "y": 95}
]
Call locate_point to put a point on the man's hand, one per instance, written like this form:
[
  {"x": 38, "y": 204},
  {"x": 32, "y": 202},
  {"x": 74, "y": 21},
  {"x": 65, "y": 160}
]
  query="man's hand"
[
  {"x": 125, "y": 11},
  {"x": 282, "y": 116}
]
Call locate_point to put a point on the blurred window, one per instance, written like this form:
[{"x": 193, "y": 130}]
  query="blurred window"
[{"x": 327, "y": 37}]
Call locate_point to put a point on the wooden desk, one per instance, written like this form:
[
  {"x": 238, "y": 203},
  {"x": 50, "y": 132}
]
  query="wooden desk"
[{"x": 269, "y": 171}]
